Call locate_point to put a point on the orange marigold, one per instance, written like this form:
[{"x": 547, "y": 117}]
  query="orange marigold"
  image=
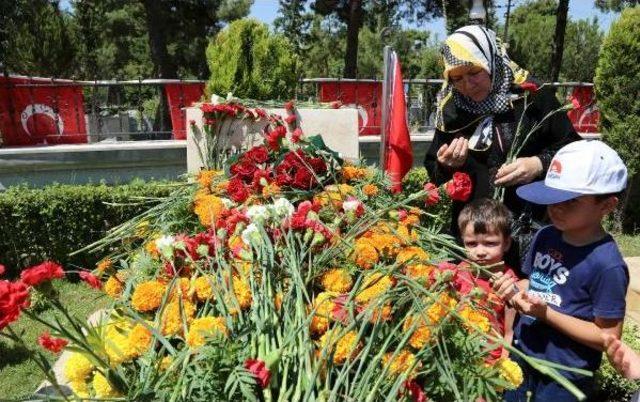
[
  {"x": 411, "y": 254},
  {"x": 204, "y": 327},
  {"x": 205, "y": 177},
  {"x": 113, "y": 287},
  {"x": 139, "y": 340},
  {"x": 208, "y": 208},
  {"x": 148, "y": 295},
  {"x": 421, "y": 334},
  {"x": 373, "y": 286},
  {"x": 370, "y": 190},
  {"x": 474, "y": 319},
  {"x": 365, "y": 254},
  {"x": 323, "y": 306},
  {"x": 203, "y": 286},
  {"x": 172, "y": 316},
  {"x": 242, "y": 291},
  {"x": 440, "y": 308},
  {"x": 386, "y": 244},
  {"x": 350, "y": 173},
  {"x": 104, "y": 265},
  {"x": 421, "y": 272},
  {"x": 382, "y": 313},
  {"x": 334, "y": 194},
  {"x": 345, "y": 348},
  {"x": 401, "y": 363},
  {"x": 337, "y": 280},
  {"x": 270, "y": 190}
]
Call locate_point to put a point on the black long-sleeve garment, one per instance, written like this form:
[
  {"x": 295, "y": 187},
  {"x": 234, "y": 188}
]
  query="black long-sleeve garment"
[{"x": 555, "y": 132}]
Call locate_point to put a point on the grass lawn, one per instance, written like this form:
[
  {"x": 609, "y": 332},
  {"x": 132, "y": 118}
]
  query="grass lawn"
[
  {"x": 629, "y": 245},
  {"x": 19, "y": 376}
]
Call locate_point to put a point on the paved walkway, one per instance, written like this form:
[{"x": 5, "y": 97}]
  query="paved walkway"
[{"x": 633, "y": 295}]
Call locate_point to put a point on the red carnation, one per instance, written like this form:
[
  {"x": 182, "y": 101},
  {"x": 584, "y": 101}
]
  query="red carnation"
[
  {"x": 244, "y": 169},
  {"x": 296, "y": 135},
  {"x": 291, "y": 119},
  {"x": 237, "y": 190},
  {"x": 289, "y": 106},
  {"x": 304, "y": 179},
  {"x": 318, "y": 164},
  {"x": 259, "y": 154},
  {"x": 91, "y": 279},
  {"x": 259, "y": 371},
  {"x": 415, "y": 390},
  {"x": 13, "y": 298},
  {"x": 433, "y": 194},
  {"x": 459, "y": 187},
  {"x": 46, "y": 271},
  {"x": 54, "y": 345}
]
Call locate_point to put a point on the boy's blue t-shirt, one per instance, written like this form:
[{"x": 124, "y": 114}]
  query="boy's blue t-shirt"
[{"x": 584, "y": 282}]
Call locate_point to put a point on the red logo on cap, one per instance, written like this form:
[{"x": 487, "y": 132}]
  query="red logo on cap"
[{"x": 555, "y": 167}]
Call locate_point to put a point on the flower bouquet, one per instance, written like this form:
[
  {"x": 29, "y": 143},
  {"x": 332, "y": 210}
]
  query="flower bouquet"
[{"x": 290, "y": 275}]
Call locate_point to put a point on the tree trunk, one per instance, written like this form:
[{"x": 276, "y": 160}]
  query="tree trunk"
[
  {"x": 353, "y": 29},
  {"x": 164, "y": 66},
  {"x": 558, "y": 39}
]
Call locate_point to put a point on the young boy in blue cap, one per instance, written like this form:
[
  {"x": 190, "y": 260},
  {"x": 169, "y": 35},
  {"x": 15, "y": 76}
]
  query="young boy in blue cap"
[{"x": 574, "y": 296}]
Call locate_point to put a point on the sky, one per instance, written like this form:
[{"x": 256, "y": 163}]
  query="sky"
[{"x": 267, "y": 10}]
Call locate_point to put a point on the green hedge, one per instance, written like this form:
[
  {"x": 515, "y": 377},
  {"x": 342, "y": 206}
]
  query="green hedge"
[{"x": 50, "y": 222}]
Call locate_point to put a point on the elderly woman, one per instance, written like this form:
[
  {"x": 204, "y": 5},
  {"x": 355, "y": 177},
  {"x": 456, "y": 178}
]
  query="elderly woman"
[{"x": 484, "y": 99}]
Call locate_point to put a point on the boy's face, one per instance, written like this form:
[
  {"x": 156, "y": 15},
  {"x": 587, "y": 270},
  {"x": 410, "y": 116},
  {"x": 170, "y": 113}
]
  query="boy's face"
[
  {"x": 485, "y": 248},
  {"x": 580, "y": 213}
]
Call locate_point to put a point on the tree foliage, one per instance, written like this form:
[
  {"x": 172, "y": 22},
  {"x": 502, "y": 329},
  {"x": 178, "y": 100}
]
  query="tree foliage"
[
  {"x": 251, "y": 62},
  {"x": 618, "y": 87},
  {"x": 531, "y": 31}
]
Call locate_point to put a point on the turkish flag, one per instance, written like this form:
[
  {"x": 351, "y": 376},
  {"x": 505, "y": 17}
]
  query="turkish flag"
[
  {"x": 41, "y": 111},
  {"x": 180, "y": 96},
  {"x": 399, "y": 154}
]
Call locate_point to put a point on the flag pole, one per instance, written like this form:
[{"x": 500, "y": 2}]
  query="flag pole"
[{"x": 386, "y": 91}]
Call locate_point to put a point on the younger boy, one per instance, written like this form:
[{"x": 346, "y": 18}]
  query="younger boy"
[
  {"x": 485, "y": 229},
  {"x": 577, "y": 280}
]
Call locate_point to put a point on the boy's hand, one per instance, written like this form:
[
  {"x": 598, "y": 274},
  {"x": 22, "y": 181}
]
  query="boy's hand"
[
  {"x": 504, "y": 285},
  {"x": 530, "y": 305},
  {"x": 622, "y": 357}
]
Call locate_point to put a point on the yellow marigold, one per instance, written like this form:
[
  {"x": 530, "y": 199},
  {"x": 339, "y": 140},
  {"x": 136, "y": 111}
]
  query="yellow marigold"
[
  {"x": 334, "y": 194},
  {"x": 203, "y": 287},
  {"x": 472, "y": 318},
  {"x": 440, "y": 308},
  {"x": 104, "y": 265},
  {"x": 221, "y": 188},
  {"x": 373, "y": 286},
  {"x": 401, "y": 363},
  {"x": 235, "y": 241},
  {"x": 103, "y": 388},
  {"x": 172, "y": 316},
  {"x": 165, "y": 363},
  {"x": 421, "y": 334},
  {"x": 420, "y": 272},
  {"x": 113, "y": 287},
  {"x": 116, "y": 342},
  {"x": 412, "y": 219},
  {"x": 78, "y": 368},
  {"x": 270, "y": 190},
  {"x": 386, "y": 244},
  {"x": 382, "y": 313},
  {"x": 205, "y": 177},
  {"x": 323, "y": 306},
  {"x": 182, "y": 288},
  {"x": 80, "y": 388},
  {"x": 337, "y": 280},
  {"x": 278, "y": 300},
  {"x": 208, "y": 208},
  {"x": 138, "y": 340},
  {"x": 242, "y": 291},
  {"x": 345, "y": 348},
  {"x": 411, "y": 254},
  {"x": 370, "y": 190},
  {"x": 364, "y": 254},
  {"x": 204, "y": 327},
  {"x": 350, "y": 173},
  {"x": 148, "y": 295},
  {"x": 510, "y": 371}
]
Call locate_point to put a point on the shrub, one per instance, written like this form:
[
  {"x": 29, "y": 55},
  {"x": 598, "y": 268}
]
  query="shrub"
[
  {"x": 249, "y": 61},
  {"x": 50, "y": 222},
  {"x": 617, "y": 86},
  {"x": 611, "y": 386}
]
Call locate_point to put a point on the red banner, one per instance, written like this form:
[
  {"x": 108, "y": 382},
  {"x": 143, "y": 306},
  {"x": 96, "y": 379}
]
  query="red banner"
[
  {"x": 39, "y": 111},
  {"x": 180, "y": 96},
  {"x": 366, "y": 96},
  {"x": 585, "y": 115}
]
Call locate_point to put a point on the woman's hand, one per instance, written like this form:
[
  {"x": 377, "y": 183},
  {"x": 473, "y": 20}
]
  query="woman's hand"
[
  {"x": 520, "y": 171},
  {"x": 455, "y": 154}
]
